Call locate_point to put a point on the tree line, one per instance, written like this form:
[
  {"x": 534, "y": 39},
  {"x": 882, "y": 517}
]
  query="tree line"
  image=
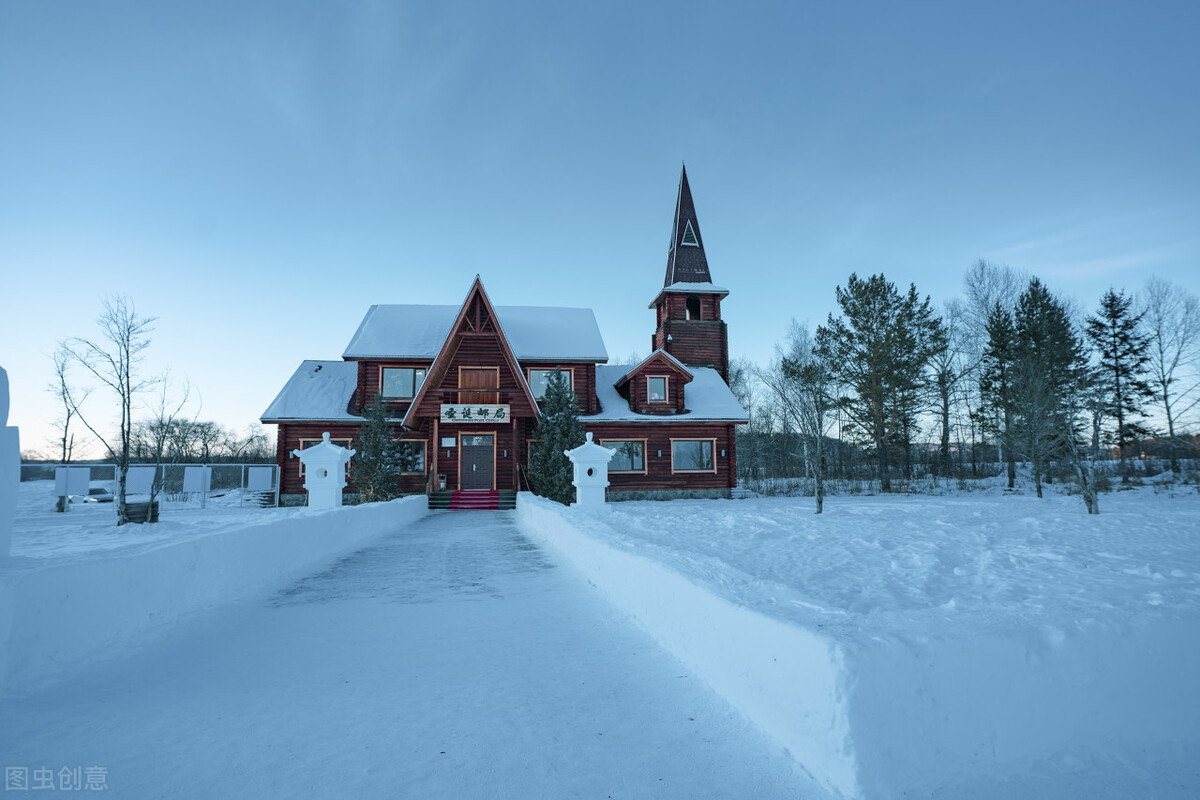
[{"x": 1008, "y": 373}]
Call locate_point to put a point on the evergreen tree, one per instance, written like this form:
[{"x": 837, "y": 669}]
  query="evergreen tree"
[
  {"x": 1123, "y": 352},
  {"x": 559, "y": 429},
  {"x": 995, "y": 382},
  {"x": 376, "y": 468},
  {"x": 880, "y": 348},
  {"x": 1049, "y": 368}
]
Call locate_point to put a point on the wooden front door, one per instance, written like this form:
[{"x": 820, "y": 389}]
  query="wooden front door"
[
  {"x": 475, "y": 379},
  {"x": 478, "y": 461}
]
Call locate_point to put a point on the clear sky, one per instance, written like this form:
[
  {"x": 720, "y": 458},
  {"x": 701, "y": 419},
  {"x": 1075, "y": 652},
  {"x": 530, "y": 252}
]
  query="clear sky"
[{"x": 257, "y": 174}]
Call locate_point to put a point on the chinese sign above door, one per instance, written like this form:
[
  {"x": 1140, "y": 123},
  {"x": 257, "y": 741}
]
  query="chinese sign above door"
[{"x": 474, "y": 412}]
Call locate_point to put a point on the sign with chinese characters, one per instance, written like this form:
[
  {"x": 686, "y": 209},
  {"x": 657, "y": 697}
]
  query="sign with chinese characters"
[{"x": 479, "y": 412}]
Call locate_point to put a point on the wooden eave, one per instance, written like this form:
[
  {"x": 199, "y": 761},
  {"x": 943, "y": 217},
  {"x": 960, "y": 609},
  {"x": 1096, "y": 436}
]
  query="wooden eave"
[{"x": 437, "y": 370}]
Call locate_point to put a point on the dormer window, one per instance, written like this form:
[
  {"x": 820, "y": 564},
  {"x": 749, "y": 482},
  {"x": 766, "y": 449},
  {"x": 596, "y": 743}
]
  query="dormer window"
[
  {"x": 656, "y": 389},
  {"x": 693, "y": 307}
]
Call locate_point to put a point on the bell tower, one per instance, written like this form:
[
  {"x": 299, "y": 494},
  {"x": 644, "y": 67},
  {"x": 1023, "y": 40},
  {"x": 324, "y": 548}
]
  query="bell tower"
[{"x": 688, "y": 309}]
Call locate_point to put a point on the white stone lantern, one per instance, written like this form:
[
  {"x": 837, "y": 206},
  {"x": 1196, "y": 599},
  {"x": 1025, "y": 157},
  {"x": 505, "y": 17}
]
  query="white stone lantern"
[
  {"x": 324, "y": 472},
  {"x": 591, "y": 473},
  {"x": 10, "y": 470}
]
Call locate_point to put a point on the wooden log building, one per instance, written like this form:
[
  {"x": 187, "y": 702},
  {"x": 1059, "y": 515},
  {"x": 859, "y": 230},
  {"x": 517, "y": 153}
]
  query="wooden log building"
[{"x": 463, "y": 382}]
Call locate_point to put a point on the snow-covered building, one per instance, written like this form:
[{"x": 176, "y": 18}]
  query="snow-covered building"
[{"x": 463, "y": 383}]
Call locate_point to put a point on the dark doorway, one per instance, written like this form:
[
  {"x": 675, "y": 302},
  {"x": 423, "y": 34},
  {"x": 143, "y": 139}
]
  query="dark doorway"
[{"x": 478, "y": 454}]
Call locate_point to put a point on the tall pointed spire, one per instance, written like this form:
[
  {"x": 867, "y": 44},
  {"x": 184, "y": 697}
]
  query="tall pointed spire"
[{"x": 686, "y": 262}]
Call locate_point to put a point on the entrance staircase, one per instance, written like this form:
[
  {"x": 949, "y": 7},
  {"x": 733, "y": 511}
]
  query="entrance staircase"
[{"x": 473, "y": 500}]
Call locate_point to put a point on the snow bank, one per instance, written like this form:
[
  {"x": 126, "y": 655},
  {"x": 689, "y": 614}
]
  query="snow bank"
[
  {"x": 788, "y": 681},
  {"x": 58, "y": 612},
  {"x": 899, "y": 646}
]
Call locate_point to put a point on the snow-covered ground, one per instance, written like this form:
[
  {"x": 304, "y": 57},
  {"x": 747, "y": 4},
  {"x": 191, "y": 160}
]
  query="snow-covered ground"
[
  {"x": 89, "y": 529},
  {"x": 449, "y": 659},
  {"x": 982, "y": 646}
]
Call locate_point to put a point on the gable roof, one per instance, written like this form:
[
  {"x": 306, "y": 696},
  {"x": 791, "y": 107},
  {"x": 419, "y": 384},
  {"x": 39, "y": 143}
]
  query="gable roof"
[
  {"x": 660, "y": 356},
  {"x": 317, "y": 390},
  {"x": 534, "y": 332},
  {"x": 476, "y": 299},
  {"x": 708, "y": 398},
  {"x": 686, "y": 262}
]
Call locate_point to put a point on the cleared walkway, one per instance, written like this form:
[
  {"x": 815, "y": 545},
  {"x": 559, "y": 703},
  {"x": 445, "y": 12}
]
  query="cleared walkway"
[{"x": 450, "y": 660}]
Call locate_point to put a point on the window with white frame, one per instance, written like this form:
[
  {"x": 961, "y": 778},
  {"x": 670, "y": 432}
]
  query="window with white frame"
[
  {"x": 630, "y": 456},
  {"x": 416, "y": 451},
  {"x": 539, "y": 379},
  {"x": 692, "y": 455},
  {"x": 401, "y": 383},
  {"x": 656, "y": 389}
]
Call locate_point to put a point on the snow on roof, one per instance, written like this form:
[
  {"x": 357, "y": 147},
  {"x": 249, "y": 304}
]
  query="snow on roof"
[
  {"x": 318, "y": 390},
  {"x": 689, "y": 288},
  {"x": 706, "y": 398},
  {"x": 533, "y": 332},
  {"x": 649, "y": 358}
]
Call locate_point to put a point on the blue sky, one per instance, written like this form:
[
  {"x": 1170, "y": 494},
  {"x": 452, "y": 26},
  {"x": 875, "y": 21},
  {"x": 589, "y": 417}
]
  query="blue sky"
[{"x": 256, "y": 175}]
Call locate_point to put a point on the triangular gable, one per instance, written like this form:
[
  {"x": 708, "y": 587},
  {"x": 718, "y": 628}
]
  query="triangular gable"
[
  {"x": 689, "y": 236},
  {"x": 477, "y": 316},
  {"x": 658, "y": 359}
]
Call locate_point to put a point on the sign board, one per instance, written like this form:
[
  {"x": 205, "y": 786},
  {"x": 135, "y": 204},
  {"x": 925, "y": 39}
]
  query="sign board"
[
  {"x": 260, "y": 479},
  {"x": 72, "y": 480},
  {"x": 464, "y": 412},
  {"x": 196, "y": 479},
  {"x": 449, "y": 441},
  {"x": 139, "y": 480}
]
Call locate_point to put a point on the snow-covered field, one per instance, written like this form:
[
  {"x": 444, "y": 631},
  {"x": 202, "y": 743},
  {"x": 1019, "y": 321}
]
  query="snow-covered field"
[
  {"x": 957, "y": 646},
  {"x": 984, "y": 646}
]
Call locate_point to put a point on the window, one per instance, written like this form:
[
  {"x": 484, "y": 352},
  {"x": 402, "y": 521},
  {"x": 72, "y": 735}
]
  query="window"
[
  {"x": 401, "y": 382},
  {"x": 540, "y": 378},
  {"x": 656, "y": 389},
  {"x": 630, "y": 457},
  {"x": 307, "y": 443},
  {"x": 689, "y": 236},
  {"x": 692, "y": 455},
  {"x": 693, "y": 307},
  {"x": 415, "y": 450}
]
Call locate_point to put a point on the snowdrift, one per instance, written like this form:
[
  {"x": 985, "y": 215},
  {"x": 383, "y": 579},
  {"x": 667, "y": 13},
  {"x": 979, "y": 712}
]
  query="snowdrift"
[
  {"x": 57, "y": 614},
  {"x": 897, "y": 652}
]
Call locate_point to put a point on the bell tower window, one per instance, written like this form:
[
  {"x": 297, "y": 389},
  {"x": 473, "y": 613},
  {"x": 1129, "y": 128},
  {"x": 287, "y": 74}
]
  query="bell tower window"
[{"x": 693, "y": 307}]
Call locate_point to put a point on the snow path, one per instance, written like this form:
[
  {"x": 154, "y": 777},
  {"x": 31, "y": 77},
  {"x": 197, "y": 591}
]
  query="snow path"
[{"x": 450, "y": 659}]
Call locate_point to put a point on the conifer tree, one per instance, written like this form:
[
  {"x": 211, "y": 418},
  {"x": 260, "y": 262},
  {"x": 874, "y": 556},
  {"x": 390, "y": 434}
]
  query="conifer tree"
[
  {"x": 1049, "y": 368},
  {"x": 1123, "y": 352},
  {"x": 381, "y": 459},
  {"x": 995, "y": 382},
  {"x": 559, "y": 429},
  {"x": 880, "y": 348}
]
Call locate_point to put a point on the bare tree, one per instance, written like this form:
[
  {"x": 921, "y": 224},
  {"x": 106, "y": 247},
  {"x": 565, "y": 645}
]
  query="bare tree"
[
  {"x": 68, "y": 396},
  {"x": 1171, "y": 318},
  {"x": 803, "y": 388},
  {"x": 113, "y": 360}
]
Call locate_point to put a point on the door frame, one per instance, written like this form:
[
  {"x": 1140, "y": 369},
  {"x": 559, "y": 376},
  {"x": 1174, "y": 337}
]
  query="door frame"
[{"x": 461, "y": 434}]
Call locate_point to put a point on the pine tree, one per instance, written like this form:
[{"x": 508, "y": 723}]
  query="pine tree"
[
  {"x": 995, "y": 382},
  {"x": 1049, "y": 367},
  {"x": 559, "y": 429},
  {"x": 381, "y": 459},
  {"x": 880, "y": 349},
  {"x": 1124, "y": 354}
]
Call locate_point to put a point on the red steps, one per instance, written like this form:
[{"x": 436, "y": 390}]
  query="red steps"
[{"x": 475, "y": 500}]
